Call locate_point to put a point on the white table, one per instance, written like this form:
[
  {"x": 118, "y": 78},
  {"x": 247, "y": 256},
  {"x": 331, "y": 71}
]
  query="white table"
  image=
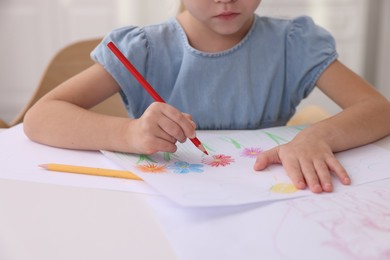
[{"x": 45, "y": 222}]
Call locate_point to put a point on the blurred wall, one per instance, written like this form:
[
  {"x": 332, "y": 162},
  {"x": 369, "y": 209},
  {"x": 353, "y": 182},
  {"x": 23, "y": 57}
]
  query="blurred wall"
[{"x": 381, "y": 68}]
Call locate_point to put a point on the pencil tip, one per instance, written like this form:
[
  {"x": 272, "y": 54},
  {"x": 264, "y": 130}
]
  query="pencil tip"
[
  {"x": 201, "y": 147},
  {"x": 43, "y": 166}
]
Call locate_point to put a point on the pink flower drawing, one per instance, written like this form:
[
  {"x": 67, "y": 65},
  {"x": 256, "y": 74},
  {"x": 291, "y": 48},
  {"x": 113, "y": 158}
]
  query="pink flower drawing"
[
  {"x": 252, "y": 152},
  {"x": 218, "y": 160}
]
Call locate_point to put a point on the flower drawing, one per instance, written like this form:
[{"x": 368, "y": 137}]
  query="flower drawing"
[
  {"x": 145, "y": 158},
  {"x": 185, "y": 167},
  {"x": 218, "y": 160},
  {"x": 252, "y": 152},
  {"x": 151, "y": 168}
]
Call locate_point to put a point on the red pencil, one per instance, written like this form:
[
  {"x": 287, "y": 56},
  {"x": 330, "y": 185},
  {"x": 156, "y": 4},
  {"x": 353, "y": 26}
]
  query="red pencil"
[{"x": 146, "y": 85}]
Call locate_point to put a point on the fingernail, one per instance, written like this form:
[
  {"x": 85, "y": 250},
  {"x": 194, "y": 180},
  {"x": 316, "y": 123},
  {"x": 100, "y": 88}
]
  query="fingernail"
[
  {"x": 257, "y": 167},
  {"x": 327, "y": 187},
  {"x": 301, "y": 185},
  {"x": 317, "y": 188}
]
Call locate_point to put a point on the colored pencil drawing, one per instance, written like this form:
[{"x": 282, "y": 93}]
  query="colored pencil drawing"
[
  {"x": 152, "y": 168},
  {"x": 276, "y": 138},
  {"x": 228, "y": 168},
  {"x": 283, "y": 188},
  {"x": 145, "y": 158},
  {"x": 185, "y": 167},
  {"x": 232, "y": 141},
  {"x": 251, "y": 152},
  {"x": 354, "y": 225},
  {"x": 218, "y": 160}
]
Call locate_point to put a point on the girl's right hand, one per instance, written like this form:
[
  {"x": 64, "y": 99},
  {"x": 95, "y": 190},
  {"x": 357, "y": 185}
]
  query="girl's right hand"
[{"x": 159, "y": 128}]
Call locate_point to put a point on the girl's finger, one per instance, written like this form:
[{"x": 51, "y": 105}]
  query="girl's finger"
[
  {"x": 324, "y": 175},
  {"x": 310, "y": 175},
  {"x": 294, "y": 171},
  {"x": 336, "y": 168}
]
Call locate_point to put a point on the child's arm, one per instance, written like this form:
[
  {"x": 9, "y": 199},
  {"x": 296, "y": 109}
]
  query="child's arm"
[
  {"x": 61, "y": 118},
  {"x": 308, "y": 158}
]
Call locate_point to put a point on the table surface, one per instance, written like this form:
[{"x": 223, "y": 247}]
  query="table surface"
[{"x": 45, "y": 221}]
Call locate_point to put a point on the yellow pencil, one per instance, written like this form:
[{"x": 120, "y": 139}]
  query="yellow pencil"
[{"x": 90, "y": 171}]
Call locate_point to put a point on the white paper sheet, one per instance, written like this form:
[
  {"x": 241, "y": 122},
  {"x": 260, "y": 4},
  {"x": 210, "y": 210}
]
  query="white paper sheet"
[
  {"x": 20, "y": 159},
  {"x": 352, "y": 224},
  {"x": 226, "y": 177}
]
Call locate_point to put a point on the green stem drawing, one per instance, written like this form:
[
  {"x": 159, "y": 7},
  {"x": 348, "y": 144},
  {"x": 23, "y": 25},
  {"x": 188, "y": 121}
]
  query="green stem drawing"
[
  {"x": 233, "y": 141},
  {"x": 277, "y": 139},
  {"x": 146, "y": 158},
  {"x": 208, "y": 148},
  {"x": 299, "y": 127},
  {"x": 167, "y": 156}
]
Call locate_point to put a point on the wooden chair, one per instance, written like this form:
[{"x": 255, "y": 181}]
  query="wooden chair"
[
  {"x": 66, "y": 63},
  {"x": 309, "y": 115}
]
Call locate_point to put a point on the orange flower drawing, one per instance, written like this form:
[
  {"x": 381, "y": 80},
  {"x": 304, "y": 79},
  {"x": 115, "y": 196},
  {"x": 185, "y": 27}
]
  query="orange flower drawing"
[{"x": 152, "y": 168}]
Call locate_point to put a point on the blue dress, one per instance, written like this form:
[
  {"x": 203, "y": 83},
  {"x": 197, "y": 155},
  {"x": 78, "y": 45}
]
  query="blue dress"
[{"x": 256, "y": 84}]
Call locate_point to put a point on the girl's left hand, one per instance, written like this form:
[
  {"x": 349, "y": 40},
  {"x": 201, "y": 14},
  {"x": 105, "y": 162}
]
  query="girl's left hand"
[{"x": 308, "y": 162}]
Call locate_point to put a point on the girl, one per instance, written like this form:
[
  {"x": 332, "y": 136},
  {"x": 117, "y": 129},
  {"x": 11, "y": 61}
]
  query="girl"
[{"x": 218, "y": 66}]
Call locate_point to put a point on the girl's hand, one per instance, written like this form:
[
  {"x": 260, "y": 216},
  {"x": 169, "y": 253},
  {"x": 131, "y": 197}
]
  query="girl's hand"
[
  {"x": 308, "y": 162},
  {"x": 159, "y": 128}
]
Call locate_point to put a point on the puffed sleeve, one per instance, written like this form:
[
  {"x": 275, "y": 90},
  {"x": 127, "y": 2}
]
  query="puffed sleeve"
[
  {"x": 310, "y": 50},
  {"x": 132, "y": 42}
]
